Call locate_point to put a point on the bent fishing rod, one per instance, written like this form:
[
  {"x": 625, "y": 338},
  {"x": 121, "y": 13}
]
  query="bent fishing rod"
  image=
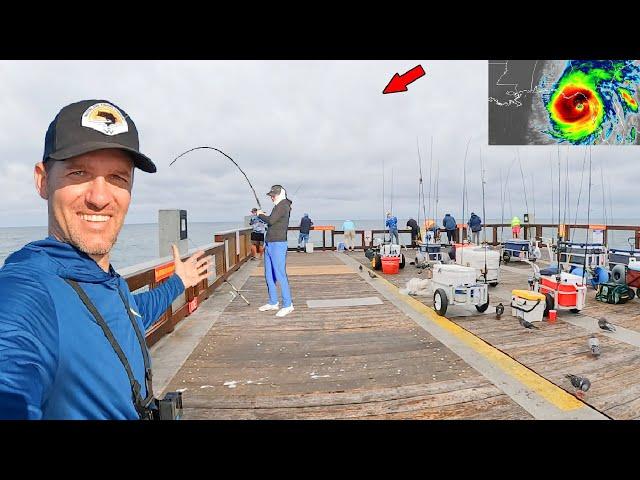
[{"x": 232, "y": 160}]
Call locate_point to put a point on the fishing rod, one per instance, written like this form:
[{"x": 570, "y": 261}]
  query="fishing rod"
[
  {"x": 419, "y": 179},
  {"x": 604, "y": 206},
  {"x": 232, "y": 160},
  {"x": 484, "y": 217},
  {"x": 584, "y": 161},
  {"x": 430, "y": 180},
  {"x": 437, "y": 195},
  {"x": 464, "y": 191},
  {"x": 504, "y": 196},
  {"x": 524, "y": 186},
  {"x": 586, "y": 244},
  {"x": 551, "y": 183}
]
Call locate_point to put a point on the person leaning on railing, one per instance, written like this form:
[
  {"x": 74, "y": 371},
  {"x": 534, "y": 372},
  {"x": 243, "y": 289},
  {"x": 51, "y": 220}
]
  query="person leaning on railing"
[{"x": 71, "y": 333}]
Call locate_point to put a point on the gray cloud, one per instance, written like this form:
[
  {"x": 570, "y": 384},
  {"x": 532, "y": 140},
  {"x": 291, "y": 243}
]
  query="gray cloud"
[{"x": 322, "y": 127}]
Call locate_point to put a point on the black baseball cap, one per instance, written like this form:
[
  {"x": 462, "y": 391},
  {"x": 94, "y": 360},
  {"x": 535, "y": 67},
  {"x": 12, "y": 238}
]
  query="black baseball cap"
[
  {"x": 89, "y": 125},
  {"x": 275, "y": 190}
]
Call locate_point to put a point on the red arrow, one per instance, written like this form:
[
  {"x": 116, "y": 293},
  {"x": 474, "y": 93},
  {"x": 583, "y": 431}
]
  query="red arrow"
[{"x": 399, "y": 83}]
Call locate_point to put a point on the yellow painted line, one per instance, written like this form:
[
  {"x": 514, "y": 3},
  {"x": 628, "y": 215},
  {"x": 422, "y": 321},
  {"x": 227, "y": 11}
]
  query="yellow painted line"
[
  {"x": 310, "y": 270},
  {"x": 543, "y": 387}
]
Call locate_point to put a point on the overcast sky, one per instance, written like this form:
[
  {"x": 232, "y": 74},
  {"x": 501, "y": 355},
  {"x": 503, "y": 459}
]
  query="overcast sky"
[{"x": 322, "y": 128}]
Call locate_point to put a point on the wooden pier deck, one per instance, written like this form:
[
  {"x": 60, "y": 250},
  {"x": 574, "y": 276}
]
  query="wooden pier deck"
[{"x": 398, "y": 359}]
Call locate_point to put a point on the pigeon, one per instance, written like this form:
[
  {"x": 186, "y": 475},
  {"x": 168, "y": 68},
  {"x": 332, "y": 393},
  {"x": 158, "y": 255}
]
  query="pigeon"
[
  {"x": 581, "y": 383},
  {"x": 360, "y": 267},
  {"x": 527, "y": 324},
  {"x": 604, "y": 325},
  {"x": 594, "y": 345},
  {"x": 371, "y": 274},
  {"x": 499, "y": 310}
]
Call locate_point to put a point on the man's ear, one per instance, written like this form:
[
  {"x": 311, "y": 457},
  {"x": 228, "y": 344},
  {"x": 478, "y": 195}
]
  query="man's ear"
[{"x": 40, "y": 179}]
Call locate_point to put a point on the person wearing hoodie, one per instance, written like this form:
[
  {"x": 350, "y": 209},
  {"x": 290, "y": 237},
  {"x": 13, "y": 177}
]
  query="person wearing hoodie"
[
  {"x": 515, "y": 226},
  {"x": 349, "y": 229},
  {"x": 71, "y": 332},
  {"x": 275, "y": 256},
  {"x": 475, "y": 225},
  {"x": 392, "y": 223},
  {"x": 415, "y": 231},
  {"x": 305, "y": 227},
  {"x": 449, "y": 223}
]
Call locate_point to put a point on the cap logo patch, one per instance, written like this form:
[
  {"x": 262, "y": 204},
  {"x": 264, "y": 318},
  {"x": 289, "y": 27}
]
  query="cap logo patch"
[{"x": 105, "y": 118}]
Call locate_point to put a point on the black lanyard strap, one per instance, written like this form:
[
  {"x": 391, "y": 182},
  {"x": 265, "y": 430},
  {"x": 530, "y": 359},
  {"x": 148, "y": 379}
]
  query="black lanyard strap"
[{"x": 139, "y": 403}]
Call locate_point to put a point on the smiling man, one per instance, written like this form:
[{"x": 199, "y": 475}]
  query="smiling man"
[{"x": 71, "y": 333}]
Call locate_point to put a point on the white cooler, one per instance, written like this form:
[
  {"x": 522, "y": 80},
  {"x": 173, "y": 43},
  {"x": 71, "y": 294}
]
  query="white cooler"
[
  {"x": 454, "y": 275},
  {"x": 475, "y": 257},
  {"x": 309, "y": 247},
  {"x": 527, "y": 305}
]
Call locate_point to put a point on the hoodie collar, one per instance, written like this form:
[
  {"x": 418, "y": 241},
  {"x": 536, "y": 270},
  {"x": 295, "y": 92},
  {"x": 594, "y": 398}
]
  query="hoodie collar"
[{"x": 64, "y": 260}]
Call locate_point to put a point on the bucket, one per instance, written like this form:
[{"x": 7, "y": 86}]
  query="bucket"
[
  {"x": 390, "y": 265},
  {"x": 553, "y": 315},
  {"x": 309, "y": 247}
]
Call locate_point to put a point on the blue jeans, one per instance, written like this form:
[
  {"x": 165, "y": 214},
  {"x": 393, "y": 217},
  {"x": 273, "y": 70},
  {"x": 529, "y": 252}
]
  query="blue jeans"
[
  {"x": 275, "y": 260},
  {"x": 303, "y": 238},
  {"x": 394, "y": 233}
]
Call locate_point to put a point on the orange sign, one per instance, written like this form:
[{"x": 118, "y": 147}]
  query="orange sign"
[
  {"x": 193, "y": 305},
  {"x": 164, "y": 271},
  {"x": 597, "y": 227},
  {"x": 324, "y": 227}
]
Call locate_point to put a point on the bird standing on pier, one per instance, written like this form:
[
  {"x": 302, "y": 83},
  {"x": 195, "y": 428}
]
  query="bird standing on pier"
[
  {"x": 581, "y": 383},
  {"x": 499, "y": 310},
  {"x": 360, "y": 267},
  {"x": 594, "y": 346},
  {"x": 605, "y": 325},
  {"x": 527, "y": 324}
]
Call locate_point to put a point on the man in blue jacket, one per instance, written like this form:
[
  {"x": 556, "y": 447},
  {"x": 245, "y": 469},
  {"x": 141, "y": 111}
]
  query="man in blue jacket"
[
  {"x": 71, "y": 333},
  {"x": 475, "y": 225},
  {"x": 449, "y": 223},
  {"x": 392, "y": 223}
]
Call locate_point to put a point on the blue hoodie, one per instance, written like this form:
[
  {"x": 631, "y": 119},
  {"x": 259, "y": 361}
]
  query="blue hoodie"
[
  {"x": 55, "y": 361},
  {"x": 392, "y": 223}
]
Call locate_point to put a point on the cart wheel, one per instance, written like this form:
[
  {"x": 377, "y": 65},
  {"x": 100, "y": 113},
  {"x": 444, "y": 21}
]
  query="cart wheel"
[
  {"x": 376, "y": 262},
  {"x": 575, "y": 310},
  {"x": 506, "y": 256},
  {"x": 440, "y": 302},
  {"x": 632, "y": 294},
  {"x": 483, "y": 308},
  {"x": 549, "y": 304},
  {"x": 493, "y": 284},
  {"x": 402, "y": 261},
  {"x": 618, "y": 274}
]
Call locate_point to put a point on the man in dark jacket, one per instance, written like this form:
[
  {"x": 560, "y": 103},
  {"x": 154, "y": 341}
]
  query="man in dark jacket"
[
  {"x": 305, "y": 226},
  {"x": 415, "y": 230},
  {"x": 275, "y": 257},
  {"x": 449, "y": 223},
  {"x": 475, "y": 225},
  {"x": 71, "y": 333}
]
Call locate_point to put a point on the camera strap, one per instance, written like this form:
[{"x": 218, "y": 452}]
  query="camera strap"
[{"x": 141, "y": 405}]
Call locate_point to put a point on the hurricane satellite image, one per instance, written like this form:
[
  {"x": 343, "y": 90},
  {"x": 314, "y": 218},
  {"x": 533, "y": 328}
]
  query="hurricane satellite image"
[{"x": 579, "y": 102}]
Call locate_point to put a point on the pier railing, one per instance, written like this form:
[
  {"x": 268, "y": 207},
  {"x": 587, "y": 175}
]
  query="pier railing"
[
  {"x": 230, "y": 249},
  {"x": 331, "y": 238}
]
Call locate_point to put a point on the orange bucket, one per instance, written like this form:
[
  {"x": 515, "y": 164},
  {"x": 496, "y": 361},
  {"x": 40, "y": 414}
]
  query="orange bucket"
[
  {"x": 553, "y": 315},
  {"x": 390, "y": 265}
]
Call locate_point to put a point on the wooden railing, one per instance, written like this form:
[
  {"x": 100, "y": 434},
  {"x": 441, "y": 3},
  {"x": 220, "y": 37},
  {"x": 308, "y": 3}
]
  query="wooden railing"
[
  {"x": 529, "y": 231},
  {"x": 230, "y": 250}
]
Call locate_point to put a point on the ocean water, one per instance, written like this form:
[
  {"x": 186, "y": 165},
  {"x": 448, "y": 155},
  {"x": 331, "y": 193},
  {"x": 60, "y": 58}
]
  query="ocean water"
[{"x": 138, "y": 243}]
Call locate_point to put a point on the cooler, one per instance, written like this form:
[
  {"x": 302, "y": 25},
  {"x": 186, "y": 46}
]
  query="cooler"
[
  {"x": 518, "y": 248},
  {"x": 527, "y": 305},
  {"x": 454, "y": 275},
  {"x": 571, "y": 293},
  {"x": 633, "y": 274},
  {"x": 475, "y": 258},
  {"x": 309, "y": 247},
  {"x": 390, "y": 265}
]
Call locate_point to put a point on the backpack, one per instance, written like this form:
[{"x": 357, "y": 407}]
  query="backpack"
[{"x": 614, "y": 293}]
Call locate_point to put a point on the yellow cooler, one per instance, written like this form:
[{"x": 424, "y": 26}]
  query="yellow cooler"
[{"x": 528, "y": 305}]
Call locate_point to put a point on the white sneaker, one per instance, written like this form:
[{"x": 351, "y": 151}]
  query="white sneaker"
[
  {"x": 284, "y": 311},
  {"x": 268, "y": 306}
]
